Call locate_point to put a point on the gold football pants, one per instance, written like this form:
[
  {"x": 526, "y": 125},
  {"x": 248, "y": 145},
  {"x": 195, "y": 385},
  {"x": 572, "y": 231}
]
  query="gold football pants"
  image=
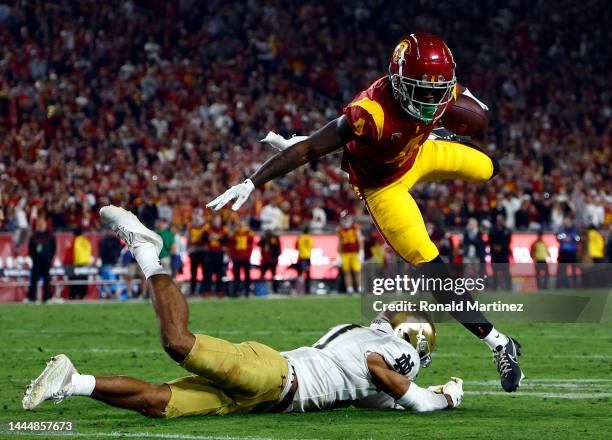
[
  {"x": 395, "y": 212},
  {"x": 229, "y": 378}
]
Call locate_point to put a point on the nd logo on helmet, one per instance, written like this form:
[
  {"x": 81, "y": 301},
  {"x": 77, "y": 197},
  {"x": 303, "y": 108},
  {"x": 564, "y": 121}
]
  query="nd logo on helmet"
[{"x": 402, "y": 48}]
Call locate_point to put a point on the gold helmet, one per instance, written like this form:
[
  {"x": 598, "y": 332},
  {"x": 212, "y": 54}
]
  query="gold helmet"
[{"x": 416, "y": 328}]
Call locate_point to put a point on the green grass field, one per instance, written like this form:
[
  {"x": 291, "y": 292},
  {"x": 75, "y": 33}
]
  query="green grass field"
[{"x": 566, "y": 396}]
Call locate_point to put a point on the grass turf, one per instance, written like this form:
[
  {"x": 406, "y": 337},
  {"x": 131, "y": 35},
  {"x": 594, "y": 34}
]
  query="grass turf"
[{"x": 567, "y": 393}]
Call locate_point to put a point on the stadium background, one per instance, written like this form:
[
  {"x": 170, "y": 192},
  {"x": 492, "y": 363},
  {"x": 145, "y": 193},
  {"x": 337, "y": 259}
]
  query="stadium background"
[{"x": 161, "y": 104}]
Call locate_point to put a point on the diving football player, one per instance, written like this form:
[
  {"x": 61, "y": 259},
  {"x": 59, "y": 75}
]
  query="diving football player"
[{"x": 350, "y": 363}]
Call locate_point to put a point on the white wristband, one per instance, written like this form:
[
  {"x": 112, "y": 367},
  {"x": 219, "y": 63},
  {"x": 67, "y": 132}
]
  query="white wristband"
[
  {"x": 249, "y": 184},
  {"x": 422, "y": 400}
]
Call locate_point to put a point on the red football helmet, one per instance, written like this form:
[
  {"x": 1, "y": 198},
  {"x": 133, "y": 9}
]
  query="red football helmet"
[{"x": 422, "y": 73}]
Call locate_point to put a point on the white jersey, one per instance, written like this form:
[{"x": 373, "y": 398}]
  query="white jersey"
[{"x": 334, "y": 372}]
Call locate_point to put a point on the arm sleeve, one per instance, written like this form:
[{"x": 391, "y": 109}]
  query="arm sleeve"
[{"x": 421, "y": 400}]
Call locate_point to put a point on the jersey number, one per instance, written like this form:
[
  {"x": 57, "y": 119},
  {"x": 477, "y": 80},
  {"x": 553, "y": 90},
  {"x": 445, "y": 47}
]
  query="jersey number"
[{"x": 337, "y": 333}]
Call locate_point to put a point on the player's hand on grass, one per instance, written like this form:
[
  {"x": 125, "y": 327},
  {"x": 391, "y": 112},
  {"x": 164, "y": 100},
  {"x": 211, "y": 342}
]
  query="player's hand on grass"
[
  {"x": 454, "y": 390},
  {"x": 279, "y": 143},
  {"x": 436, "y": 388},
  {"x": 239, "y": 192}
]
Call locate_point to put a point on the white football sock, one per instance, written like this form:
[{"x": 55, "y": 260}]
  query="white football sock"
[
  {"x": 148, "y": 260},
  {"x": 82, "y": 385},
  {"x": 495, "y": 339}
]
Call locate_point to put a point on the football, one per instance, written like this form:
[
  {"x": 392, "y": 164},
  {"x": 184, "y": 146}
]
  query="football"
[{"x": 465, "y": 117}]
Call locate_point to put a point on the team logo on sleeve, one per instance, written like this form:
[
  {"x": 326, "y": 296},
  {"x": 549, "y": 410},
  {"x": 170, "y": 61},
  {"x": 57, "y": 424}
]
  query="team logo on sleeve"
[{"x": 403, "y": 364}]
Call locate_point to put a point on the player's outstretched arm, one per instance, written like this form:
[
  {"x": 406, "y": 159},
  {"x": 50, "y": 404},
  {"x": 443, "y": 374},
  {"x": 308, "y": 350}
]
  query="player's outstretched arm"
[
  {"x": 408, "y": 394},
  {"x": 327, "y": 139}
]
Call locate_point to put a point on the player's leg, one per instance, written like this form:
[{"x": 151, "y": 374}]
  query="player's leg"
[
  {"x": 194, "y": 262},
  {"x": 34, "y": 277},
  {"x": 46, "y": 283},
  {"x": 398, "y": 218},
  {"x": 250, "y": 371},
  {"x": 60, "y": 380},
  {"x": 219, "y": 275},
  {"x": 356, "y": 271},
  {"x": 169, "y": 303},
  {"x": 247, "y": 278},
  {"x": 130, "y": 393},
  {"x": 236, "y": 272},
  {"x": 208, "y": 273},
  {"x": 181, "y": 397},
  {"x": 307, "y": 274},
  {"x": 346, "y": 272},
  {"x": 443, "y": 160}
]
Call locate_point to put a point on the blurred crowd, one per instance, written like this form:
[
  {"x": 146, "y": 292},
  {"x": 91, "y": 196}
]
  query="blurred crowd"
[{"x": 159, "y": 106}]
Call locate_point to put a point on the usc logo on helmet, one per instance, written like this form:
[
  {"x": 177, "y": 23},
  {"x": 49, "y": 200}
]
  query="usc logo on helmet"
[{"x": 403, "y": 47}]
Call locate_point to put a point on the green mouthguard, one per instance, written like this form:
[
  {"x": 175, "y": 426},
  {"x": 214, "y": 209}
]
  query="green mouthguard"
[{"x": 428, "y": 112}]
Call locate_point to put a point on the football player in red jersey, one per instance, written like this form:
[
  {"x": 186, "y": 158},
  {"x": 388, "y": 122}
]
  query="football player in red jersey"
[{"x": 384, "y": 133}]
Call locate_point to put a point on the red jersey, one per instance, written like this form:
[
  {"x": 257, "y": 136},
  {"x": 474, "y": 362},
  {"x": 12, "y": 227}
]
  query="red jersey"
[
  {"x": 388, "y": 139},
  {"x": 348, "y": 237},
  {"x": 241, "y": 244},
  {"x": 214, "y": 238}
]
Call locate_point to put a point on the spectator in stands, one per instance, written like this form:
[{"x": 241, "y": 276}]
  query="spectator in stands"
[
  {"x": 240, "y": 248},
  {"x": 521, "y": 216},
  {"x": 539, "y": 255},
  {"x": 215, "y": 239},
  {"x": 20, "y": 220},
  {"x": 304, "y": 247},
  {"x": 109, "y": 250},
  {"x": 270, "y": 251},
  {"x": 271, "y": 216},
  {"x": 81, "y": 257},
  {"x": 148, "y": 212},
  {"x": 165, "y": 232},
  {"x": 177, "y": 251},
  {"x": 499, "y": 244},
  {"x": 42, "y": 247},
  {"x": 568, "y": 239},
  {"x": 80, "y": 102},
  {"x": 319, "y": 217}
]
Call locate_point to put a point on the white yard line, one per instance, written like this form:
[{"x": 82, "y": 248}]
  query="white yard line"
[
  {"x": 541, "y": 394},
  {"x": 539, "y": 384},
  {"x": 552, "y": 356}
]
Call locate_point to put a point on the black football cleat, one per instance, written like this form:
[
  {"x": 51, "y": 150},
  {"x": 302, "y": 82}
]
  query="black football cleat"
[{"x": 505, "y": 359}]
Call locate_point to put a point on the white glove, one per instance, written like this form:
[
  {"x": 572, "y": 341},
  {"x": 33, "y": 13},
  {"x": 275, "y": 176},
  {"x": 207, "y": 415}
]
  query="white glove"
[
  {"x": 454, "y": 388},
  {"x": 435, "y": 388},
  {"x": 482, "y": 105},
  {"x": 279, "y": 143},
  {"x": 239, "y": 192}
]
